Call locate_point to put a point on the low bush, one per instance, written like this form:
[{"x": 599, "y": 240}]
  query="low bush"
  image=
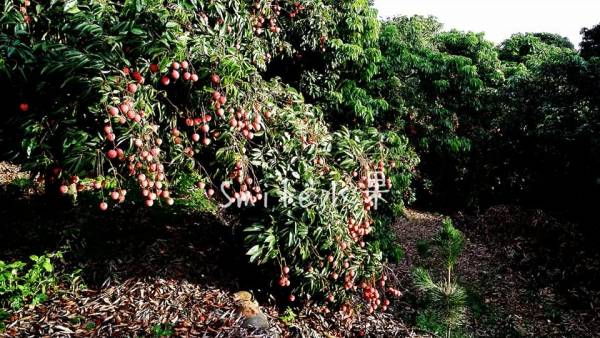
[{"x": 24, "y": 283}]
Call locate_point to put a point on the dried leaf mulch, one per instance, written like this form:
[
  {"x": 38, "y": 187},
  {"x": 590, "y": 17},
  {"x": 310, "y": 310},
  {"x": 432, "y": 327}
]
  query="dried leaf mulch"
[
  {"x": 134, "y": 308},
  {"x": 9, "y": 172}
]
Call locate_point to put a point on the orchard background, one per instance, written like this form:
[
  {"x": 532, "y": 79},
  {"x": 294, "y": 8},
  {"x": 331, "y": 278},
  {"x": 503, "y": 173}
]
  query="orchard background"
[{"x": 116, "y": 107}]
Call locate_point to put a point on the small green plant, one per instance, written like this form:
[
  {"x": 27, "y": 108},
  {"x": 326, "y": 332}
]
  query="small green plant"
[
  {"x": 162, "y": 330},
  {"x": 423, "y": 248},
  {"x": 18, "y": 185},
  {"x": 22, "y": 183},
  {"x": 288, "y": 316},
  {"x": 77, "y": 320},
  {"x": 445, "y": 299},
  {"x": 4, "y": 315},
  {"x": 22, "y": 284}
]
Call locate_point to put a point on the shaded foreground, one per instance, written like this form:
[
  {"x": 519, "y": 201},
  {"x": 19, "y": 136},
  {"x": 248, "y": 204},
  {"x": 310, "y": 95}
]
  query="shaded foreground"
[{"x": 149, "y": 273}]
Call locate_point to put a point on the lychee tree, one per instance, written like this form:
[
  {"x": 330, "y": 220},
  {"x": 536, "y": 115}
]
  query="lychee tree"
[
  {"x": 334, "y": 54},
  {"x": 128, "y": 101}
]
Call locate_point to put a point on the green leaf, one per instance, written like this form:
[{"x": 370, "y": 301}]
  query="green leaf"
[
  {"x": 137, "y": 31},
  {"x": 48, "y": 265},
  {"x": 71, "y": 7}
]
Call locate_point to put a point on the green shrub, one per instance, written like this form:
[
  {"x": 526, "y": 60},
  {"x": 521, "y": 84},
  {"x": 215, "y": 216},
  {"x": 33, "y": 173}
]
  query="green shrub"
[{"x": 22, "y": 283}]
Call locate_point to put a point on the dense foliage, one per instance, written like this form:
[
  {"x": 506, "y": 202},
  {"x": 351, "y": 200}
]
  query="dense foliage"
[
  {"x": 147, "y": 102},
  {"x": 511, "y": 123},
  {"x": 439, "y": 86},
  {"x": 590, "y": 44},
  {"x": 335, "y": 55}
]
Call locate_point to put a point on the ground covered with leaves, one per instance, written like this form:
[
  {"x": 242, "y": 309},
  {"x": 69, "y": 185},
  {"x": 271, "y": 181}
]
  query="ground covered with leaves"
[
  {"x": 527, "y": 274},
  {"x": 149, "y": 274}
]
